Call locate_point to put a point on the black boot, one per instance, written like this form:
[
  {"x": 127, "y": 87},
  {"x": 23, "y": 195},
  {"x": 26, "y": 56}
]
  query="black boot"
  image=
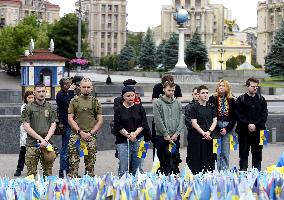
[{"x": 18, "y": 172}]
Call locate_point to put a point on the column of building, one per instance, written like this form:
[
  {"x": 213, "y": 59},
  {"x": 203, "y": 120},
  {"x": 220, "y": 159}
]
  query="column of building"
[{"x": 119, "y": 46}]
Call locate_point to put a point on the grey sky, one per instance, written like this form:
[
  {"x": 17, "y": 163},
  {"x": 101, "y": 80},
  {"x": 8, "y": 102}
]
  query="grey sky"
[{"x": 144, "y": 13}]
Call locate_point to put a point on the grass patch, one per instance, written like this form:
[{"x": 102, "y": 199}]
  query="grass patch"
[
  {"x": 271, "y": 84},
  {"x": 275, "y": 78}
]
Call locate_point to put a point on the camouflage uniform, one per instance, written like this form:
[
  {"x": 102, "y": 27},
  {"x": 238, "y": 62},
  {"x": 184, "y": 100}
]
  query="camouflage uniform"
[
  {"x": 85, "y": 111},
  {"x": 40, "y": 118}
]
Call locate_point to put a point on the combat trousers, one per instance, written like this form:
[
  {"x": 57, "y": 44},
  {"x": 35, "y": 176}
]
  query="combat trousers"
[
  {"x": 74, "y": 157},
  {"x": 33, "y": 155}
]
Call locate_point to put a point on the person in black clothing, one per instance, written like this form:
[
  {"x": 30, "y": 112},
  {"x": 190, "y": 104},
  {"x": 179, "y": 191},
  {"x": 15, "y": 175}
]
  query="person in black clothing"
[
  {"x": 225, "y": 105},
  {"x": 119, "y": 100},
  {"x": 204, "y": 120},
  {"x": 158, "y": 89},
  {"x": 251, "y": 112},
  {"x": 63, "y": 99},
  {"x": 187, "y": 110},
  {"x": 130, "y": 126}
]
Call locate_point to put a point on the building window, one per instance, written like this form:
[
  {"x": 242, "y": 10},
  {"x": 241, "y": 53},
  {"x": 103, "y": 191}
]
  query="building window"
[
  {"x": 109, "y": 8},
  {"x": 115, "y": 45},
  {"x": 109, "y": 18},
  {"x": 115, "y": 36},
  {"x": 102, "y": 45},
  {"x": 103, "y": 8},
  {"x": 108, "y": 35},
  {"x": 109, "y": 25},
  {"x": 103, "y": 35},
  {"x": 102, "y": 54},
  {"x": 115, "y": 9}
]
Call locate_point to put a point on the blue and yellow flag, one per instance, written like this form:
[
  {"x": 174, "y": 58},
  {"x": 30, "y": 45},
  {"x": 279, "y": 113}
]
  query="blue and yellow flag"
[
  {"x": 172, "y": 147},
  {"x": 142, "y": 151},
  {"x": 217, "y": 146},
  {"x": 233, "y": 142},
  {"x": 82, "y": 148},
  {"x": 264, "y": 137}
]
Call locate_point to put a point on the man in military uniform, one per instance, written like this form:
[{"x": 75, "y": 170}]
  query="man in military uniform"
[
  {"x": 85, "y": 118},
  {"x": 39, "y": 122}
]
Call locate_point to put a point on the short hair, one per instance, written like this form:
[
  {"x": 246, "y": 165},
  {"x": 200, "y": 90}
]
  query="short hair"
[
  {"x": 168, "y": 78},
  {"x": 85, "y": 80},
  {"x": 63, "y": 81},
  {"x": 195, "y": 88},
  {"x": 40, "y": 84},
  {"x": 251, "y": 79},
  {"x": 169, "y": 83},
  {"x": 202, "y": 87},
  {"x": 27, "y": 93}
]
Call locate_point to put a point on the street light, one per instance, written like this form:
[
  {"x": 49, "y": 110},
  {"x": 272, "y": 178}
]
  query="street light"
[
  {"x": 79, "y": 54},
  {"x": 221, "y": 61}
]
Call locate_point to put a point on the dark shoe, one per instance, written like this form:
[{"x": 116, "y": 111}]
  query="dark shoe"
[{"x": 17, "y": 173}]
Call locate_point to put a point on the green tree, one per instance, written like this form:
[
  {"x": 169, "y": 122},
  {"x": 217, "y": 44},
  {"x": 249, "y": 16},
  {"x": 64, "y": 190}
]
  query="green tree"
[
  {"x": 135, "y": 40},
  {"x": 148, "y": 51},
  {"x": 274, "y": 61},
  {"x": 110, "y": 61},
  {"x": 9, "y": 51},
  {"x": 232, "y": 63},
  {"x": 126, "y": 58},
  {"x": 65, "y": 35},
  {"x": 160, "y": 54},
  {"x": 196, "y": 54},
  {"x": 171, "y": 51},
  {"x": 42, "y": 40},
  {"x": 241, "y": 59}
]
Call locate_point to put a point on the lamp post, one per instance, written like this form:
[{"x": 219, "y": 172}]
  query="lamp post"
[
  {"x": 79, "y": 54},
  {"x": 221, "y": 61}
]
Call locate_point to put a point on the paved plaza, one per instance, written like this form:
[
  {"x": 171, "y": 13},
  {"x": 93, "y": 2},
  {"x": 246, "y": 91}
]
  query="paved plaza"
[{"x": 106, "y": 162}]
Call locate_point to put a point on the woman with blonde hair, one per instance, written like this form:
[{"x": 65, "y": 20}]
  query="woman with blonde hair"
[{"x": 224, "y": 101}]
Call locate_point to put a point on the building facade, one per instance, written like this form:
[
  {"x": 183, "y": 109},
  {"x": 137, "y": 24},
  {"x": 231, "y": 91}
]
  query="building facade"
[
  {"x": 12, "y": 11},
  {"x": 207, "y": 19},
  {"x": 269, "y": 17},
  {"x": 106, "y": 24}
]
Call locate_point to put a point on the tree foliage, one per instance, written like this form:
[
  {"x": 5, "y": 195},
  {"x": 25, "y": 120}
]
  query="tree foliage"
[
  {"x": 110, "y": 61},
  {"x": 148, "y": 51},
  {"x": 196, "y": 53},
  {"x": 274, "y": 61},
  {"x": 160, "y": 54},
  {"x": 232, "y": 63},
  {"x": 171, "y": 51},
  {"x": 126, "y": 58},
  {"x": 65, "y": 36},
  {"x": 135, "y": 41}
]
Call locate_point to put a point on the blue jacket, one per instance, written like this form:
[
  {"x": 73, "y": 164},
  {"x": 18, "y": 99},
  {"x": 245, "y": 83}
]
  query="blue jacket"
[{"x": 63, "y": 99}]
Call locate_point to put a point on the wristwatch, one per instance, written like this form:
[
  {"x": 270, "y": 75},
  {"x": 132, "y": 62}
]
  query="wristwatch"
[
  {"x": 79, "y": 131},
  {"x": 210, "y": 131}
]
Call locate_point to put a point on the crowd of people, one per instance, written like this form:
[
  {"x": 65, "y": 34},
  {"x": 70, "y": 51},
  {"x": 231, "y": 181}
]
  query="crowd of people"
[{"x": 80, "y": 116}]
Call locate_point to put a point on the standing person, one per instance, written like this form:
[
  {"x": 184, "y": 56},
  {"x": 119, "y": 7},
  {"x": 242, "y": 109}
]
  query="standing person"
[
  {"x": 251, "y": 113},
  {"x": 63, "y": 99},
  {"x": 224, "y": 102},
  {"x": 168, "y": 118},
  {"x": 204, "y": 120},
  {"x": 119, "y": 100},
  {"x": 130, "y": 127},
  {"x": 39, "y": 121},
  {"x": 28, "y": 98},
  {"x": 187, "y": 111},
  {"x": 158, "y": 90},
  {"x": 85, "y": 118}
]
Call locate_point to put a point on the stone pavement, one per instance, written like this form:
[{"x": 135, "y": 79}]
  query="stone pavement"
[{"x": 106, "y": 162}]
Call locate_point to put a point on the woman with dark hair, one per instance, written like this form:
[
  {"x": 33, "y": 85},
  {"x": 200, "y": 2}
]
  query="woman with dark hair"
[
  {"x": 225, "y": 105},
  {"x": 130, "y": 127},
  {"x": 28, "y": 98}
]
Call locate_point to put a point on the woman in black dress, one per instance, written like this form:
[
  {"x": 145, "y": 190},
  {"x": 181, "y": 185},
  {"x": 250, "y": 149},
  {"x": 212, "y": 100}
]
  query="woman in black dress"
[{"x": 204, "y": 120}]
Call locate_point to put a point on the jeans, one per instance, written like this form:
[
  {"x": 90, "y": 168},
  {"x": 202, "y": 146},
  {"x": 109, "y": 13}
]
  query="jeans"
[
  {"x": 64, "y": 155},
  {"x": 223, "y": 157},
  {"x": 127, "y": 155}
]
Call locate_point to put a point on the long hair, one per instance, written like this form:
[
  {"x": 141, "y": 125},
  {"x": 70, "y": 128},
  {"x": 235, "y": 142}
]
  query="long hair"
[
  {"x": 27, "y": 93},
  {"x": 227, "y": 87}
]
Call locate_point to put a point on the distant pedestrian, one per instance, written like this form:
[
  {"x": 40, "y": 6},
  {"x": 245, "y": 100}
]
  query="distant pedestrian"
[
  {"x": 130, "y": 127},
  {"x": 188, "y": 124},
  {"x": 225, "y": 104},
  {"x": 28, "y": 98},
  {"x": 251, "y": 112},
  {"x": 204, "y": 119},
  {"x": 39, "y": 121},
  {"x": 63, "y": 99},
  {"x": 85, "y": 118},
  {"x": 169, "y": 124}
]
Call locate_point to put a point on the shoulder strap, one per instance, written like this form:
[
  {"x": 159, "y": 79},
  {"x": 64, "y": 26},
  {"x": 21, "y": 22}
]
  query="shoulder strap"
[{"x": 95, "y": 106}]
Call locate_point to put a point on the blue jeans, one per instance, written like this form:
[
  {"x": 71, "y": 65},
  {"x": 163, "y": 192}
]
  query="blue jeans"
[
  {"x": 223, "y": 157},
  {"x": 127, "y": 155},
  {"x": 64, "y": 155}
]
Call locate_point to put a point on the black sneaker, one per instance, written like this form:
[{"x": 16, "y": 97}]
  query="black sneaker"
[{"x": 17, "y": 173}]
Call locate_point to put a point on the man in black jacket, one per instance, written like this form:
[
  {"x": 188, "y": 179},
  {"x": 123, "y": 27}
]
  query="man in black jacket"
[{"x": 251, "y": 113}]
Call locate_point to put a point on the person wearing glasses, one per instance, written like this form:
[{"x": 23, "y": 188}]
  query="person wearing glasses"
[{"x": 251, "y": 113}]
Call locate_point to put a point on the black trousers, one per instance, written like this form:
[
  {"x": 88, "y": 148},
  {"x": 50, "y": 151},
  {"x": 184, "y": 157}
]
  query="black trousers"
[
  {"x": 250, "y": 141},
  {"x": 21, "y": 160},
  {"x": 169, "y": 162}
]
